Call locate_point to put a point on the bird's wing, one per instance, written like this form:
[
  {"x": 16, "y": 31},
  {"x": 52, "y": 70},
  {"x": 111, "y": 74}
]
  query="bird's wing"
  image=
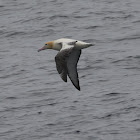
[
  {"x": 72, "y": 67},
  {"x": 61, "y": 65},
  {"x": 66, "y": 63}
]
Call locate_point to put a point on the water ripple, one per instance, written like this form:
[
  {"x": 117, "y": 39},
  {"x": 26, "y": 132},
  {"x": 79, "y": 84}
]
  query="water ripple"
[{"x": 36, "y": 104}]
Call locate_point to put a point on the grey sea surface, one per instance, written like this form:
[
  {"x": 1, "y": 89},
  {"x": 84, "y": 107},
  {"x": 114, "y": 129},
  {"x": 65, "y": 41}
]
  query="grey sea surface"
[{"x": 35, "y": 104}]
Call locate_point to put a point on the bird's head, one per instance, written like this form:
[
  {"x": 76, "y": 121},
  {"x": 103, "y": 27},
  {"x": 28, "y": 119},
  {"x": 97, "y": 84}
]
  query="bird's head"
[{"x": 48, "y": 45}]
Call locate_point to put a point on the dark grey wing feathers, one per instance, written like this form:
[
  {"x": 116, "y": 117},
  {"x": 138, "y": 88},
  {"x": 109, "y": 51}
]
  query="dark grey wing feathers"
[
  {"x": 61, "y": 66},
  {"x": 72, "y": 67},
  {"x": 66, "y": 64},
  {"x": 61, "y": 63}
]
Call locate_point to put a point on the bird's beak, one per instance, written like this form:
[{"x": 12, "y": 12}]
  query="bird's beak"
[{"x": 43, "y": 48}]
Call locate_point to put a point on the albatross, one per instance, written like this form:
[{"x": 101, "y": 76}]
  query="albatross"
[{"x": 67, "y": 57}]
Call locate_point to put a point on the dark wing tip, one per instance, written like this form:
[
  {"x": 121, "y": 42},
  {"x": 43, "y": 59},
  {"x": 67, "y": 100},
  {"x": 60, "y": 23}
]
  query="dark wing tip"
[{"x": 78, "y": 88}]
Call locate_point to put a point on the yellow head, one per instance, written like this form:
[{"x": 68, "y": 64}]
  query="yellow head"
[{"x": 48, "y": 45}]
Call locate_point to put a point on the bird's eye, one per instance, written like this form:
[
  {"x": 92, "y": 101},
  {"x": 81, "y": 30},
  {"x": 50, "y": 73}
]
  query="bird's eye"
[{"x": 46, "y": 44}]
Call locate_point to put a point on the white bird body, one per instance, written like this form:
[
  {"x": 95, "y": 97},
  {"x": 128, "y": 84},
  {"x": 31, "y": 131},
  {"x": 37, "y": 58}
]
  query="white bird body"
[
  {"x": 67, "y": 57},
  {"x": 78, "y": 45}
]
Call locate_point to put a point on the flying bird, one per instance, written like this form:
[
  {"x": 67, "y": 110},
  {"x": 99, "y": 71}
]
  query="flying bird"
[{"x": 67, "y": 57}]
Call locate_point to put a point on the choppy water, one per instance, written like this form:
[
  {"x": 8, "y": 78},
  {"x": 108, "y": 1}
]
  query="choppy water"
[{"x": 35, "y": 104}]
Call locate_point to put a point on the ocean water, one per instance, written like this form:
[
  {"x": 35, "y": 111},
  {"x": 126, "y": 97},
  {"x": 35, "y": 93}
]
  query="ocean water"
[{"x": 35, "y": 104}]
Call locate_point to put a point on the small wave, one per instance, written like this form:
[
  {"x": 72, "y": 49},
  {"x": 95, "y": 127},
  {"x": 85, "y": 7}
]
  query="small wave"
[
  {"x": 2, "y": 6},
  {"x": 136, "y": 21},
  {"x": 58, "y": 16},
  {"x": 131, "y": 108},
  {"x": 137, "y": 56},
  {"x": 119, "y": 112},
  {"x": 118, "y": 17},
  {"x": 131, "y": 37},
  {"x": 128, "y": 59},
  {"x": 110, "y": 115},
  {"x": 93, "y": 27},
  {"x": 16, "y": 33},
  {"x": 11, "y": 98},
  {"x": 115, "y": 94},
  {"x": 136, "y": 120},
  {"x": 132, "y": 68},
  {"x": 129, "y": 62},
  {"x": 77, "y": 17}
]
